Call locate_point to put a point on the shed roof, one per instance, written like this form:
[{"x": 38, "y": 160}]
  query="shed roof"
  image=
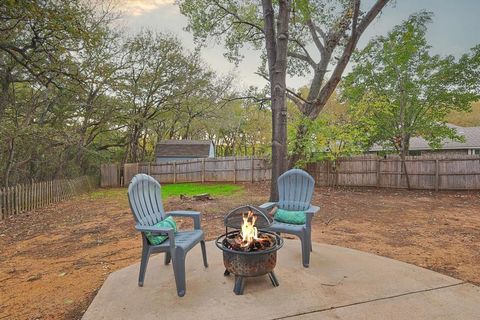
[
  {"x": 183, "y": 148},
  {"x": 471, "y": 135}
]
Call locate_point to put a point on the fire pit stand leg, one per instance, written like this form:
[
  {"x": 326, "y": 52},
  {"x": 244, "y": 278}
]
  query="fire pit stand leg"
[
  {"x": 239, "y": 285},
  {"x": 273, "y": 278}
]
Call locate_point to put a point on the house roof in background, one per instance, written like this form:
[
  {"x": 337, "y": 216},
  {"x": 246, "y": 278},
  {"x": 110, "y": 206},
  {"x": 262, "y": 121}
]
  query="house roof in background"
[
  {"x": 183, "y": 148},
  {"x": 471, "y": 135}
]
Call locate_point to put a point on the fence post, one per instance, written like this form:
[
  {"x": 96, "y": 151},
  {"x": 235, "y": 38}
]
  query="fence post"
[
  {"x": 234, "y": 169},
  {"x": 39, "y": 194},
  {"x": 22, "y": 199},
  {"x": 203, "y": 170},
  {"x": 19, "y": 198},
  {"x": 32, "y": 194},
  {"x": 174, "y": 172},
  {"x": 10, "y": 200},
  {"x": 15, "y": 199},
  {"x": 378, "y": 172},
  {"x": 47, "y": 189},
  {"x": 437, "y": 180},
  {"x": 44, "y": 193},
  {"x": 25, "y": 198},
  {"x": 253, "y": 169},
  {"x": 40, "y": 189},
  {"x": 45, "y": 186},
  {"x": 328, "y": 173}
]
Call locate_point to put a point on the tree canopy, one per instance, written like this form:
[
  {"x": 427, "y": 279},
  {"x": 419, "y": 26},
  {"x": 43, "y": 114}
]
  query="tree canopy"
[
  {"x": 400, "y": 90},
  {"x": 76, "y": 93},
  {"x": 286, "y": 29}
]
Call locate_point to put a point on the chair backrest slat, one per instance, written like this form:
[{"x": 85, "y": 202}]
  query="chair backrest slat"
[
  {"x": 144, "y": 196},
  {"x": 295, "y": 188},
  {"x": 134, "y": 201},
  {"x": 141, "y": 205}
]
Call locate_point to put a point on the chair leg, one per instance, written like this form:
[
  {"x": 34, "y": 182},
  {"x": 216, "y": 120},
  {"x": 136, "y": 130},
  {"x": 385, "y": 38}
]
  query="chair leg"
[
  {"x": 306, "y": 247},
  {"x": 168, "y": 258},
  {"x": 179, "y": 271},
  {"x": 143, "y": 264},
  {"x": 309, "y": 237},
  {"x": 204, "y": 253}
]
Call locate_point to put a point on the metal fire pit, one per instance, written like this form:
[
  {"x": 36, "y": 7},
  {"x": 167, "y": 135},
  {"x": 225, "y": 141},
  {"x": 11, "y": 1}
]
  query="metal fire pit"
[{"x": 249, "y": 264}]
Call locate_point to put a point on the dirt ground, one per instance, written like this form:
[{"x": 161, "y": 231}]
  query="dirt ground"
[{"x": 53, "y": 260}]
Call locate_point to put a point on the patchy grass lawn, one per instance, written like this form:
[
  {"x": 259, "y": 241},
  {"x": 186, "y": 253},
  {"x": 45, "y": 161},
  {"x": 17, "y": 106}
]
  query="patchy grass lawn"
[
  {"x": 191, "y": 189},
  {"x": 175, "y": 190},
  {"x": 53, "y": 260}
]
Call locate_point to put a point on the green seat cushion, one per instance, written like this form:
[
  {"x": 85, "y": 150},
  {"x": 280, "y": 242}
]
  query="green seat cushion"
[
  {"x": 292, "y": 217},
  {"x": 156, "y": 239}
]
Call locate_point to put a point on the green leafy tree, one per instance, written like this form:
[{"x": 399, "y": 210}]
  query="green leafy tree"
[
  {"x": 402, "y": 91},
  {"x": 335, "y": 133},
  {"x": 40, "y": 42},
  {"x": 285, "y": 29}
]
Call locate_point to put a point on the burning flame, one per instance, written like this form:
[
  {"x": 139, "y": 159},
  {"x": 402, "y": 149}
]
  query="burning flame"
[{"x": 249, "y": 231}]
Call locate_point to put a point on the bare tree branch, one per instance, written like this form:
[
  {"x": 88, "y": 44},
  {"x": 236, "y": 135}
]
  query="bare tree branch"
[
  {"x": 316, "y": 39},
  {"x": 297, "y": 99},
  {"x": 356, "y": 32},
  {"x": 302, "y": 57}
]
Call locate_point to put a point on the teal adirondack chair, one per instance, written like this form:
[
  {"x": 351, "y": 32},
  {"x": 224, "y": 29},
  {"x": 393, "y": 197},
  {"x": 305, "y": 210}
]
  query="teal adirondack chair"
[
  {"x": 295, "y": 188},
  {"x": 144, "y": 197}
]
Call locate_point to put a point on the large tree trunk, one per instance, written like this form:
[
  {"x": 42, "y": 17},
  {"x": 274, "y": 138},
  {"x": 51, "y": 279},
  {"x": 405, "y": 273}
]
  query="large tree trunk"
[
  {"x": 277, "y": 45},
  {"x": 135, "y": 136},
  {"x": 403, "y": 155},
  {"x": 403, "y": 132}
]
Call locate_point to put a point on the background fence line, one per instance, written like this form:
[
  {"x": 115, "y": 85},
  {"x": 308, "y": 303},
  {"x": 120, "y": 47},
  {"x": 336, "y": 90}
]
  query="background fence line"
[
  {"x": 424, "y": 172},
  {"x": 26, "y": 197},
  {"x": 431, "y": 172},
  {"x": 225, "y": 169}
]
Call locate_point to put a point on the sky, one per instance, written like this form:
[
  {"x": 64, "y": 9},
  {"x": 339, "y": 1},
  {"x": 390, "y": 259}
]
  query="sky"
[{"x": 455, "y": 29}]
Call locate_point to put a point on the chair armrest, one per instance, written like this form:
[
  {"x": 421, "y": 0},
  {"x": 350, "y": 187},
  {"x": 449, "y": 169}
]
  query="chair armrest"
[
  {"x": 197, "y": 217},
  {"x": 312, "y": 209},
  {"x": 309, "y": 214},
  {"x": 158, "y": 230},
  {"x": 267, "y": 205}
]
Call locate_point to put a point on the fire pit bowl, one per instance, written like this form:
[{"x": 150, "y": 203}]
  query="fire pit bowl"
[
  {"x": 249, "y": 263},
  {"x": 248, "y": 251}
]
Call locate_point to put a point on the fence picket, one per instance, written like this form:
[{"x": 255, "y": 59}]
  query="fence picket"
[
  {"x": 20, "y": 199},
  {"x": 26, "y": 197},
  {"x": 9, "y": 201}
]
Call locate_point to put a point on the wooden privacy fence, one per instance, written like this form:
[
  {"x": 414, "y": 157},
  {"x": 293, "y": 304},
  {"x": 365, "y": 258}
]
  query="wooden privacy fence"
[
  {"x": 227, "y": 169},
  {"x": 25, "y": 197},
  {"x": 424, "y": 172},
  {"x": 110, "y": 175}
]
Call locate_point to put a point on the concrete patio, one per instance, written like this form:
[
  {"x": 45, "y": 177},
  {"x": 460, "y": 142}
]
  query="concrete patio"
[{"x": 341, "y": 283}]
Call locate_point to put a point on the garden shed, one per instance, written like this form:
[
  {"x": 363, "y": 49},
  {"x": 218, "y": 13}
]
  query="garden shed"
[{"x": 175, "y": 150}]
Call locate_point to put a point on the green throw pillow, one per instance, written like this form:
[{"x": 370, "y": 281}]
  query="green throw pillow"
[
  {"x": 156, "y": 239},
  {"x": 292, "y": 217}
]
